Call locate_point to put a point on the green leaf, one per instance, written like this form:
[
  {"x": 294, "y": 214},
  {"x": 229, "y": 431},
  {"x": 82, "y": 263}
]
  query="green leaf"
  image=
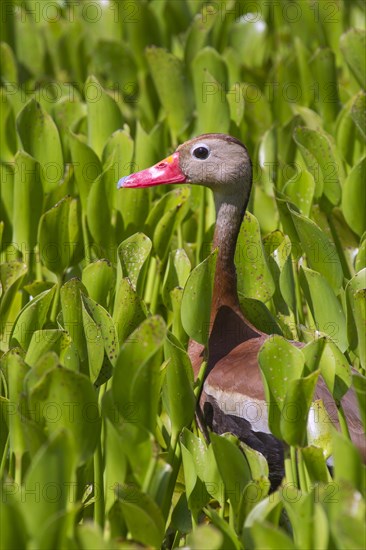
[
  {"x": 115, "y": 462},
  {"x": 179, "y": 386},
  {"x": 99, "y": 219},
  {"x": 128, "y": 310},
  {"x": 196, "y": 312},
  {"x": 67, "y": 401},
  {"x": 359, "y": 384},
  {"x": 289, "y": 363},
  {"x": 325, "y": 307},
  {"x": 321, "y": 253},
  {"x": 354, "y": 198},
  {"x": 319, "y": 428},
  {"x": 143, "y": 517},
  {"x": 72, "y": 314},
  {"x": 28, "y": 198},
  {"x": 7, "y": 130},
  {"x": 59, "y": 235},
  {"x": 40, "y": 139},
  {"x": 99, "y": 279},
  {"x": 322, "y": 160},
  {"x": 50, "y": 470},
  {"x": 133, "y": 254},
  {"x": 296, "y": 407},
  {"x": 136, "y": 376},
  {"x": 176, "y": 274},
  {"x": 86, "y": 165},
  {"x": 232, "y": 466},
  {"x": 259, "y": 315},
  {"x": 300, "y": 190},
  {"x": 347, "y": 461},
  {"x": 59, "y": 341},
  {"x": 11, "y": 278},
  {"x": 16, "y": 368},
  {"x": 269, "y": 537},
  {"x": 213, "y": 111},
  {"x": 173, "y": 88},
  {"x": 104, "y": 115},
  {"x": 326, "y": 356},
  {"x": 353, "y": 45},
  {"x": 105, "y": 325},
  {"x": 315, "y": 464},
  {"x": 165, "y": 216},
  {"x": 253, "y": 274},
  {"x": 32, "y": 317},
  {"x": 358, "y": 113},
  {"x": 324, "y": 68}
]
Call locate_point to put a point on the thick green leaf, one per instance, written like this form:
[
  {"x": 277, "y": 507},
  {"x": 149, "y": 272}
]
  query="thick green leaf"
[
  {"x": 116, "y": 463},
  {"x": 40, "y": 139},
  {"x": 254, "y": 277},
  {"x": 67, "y": 401},
  {"x": 196, "y": 302},
  {"x": 133, "y": 254},
  {"x": 136, "y": 378},
  {"x": 179, "y": 386},
  {"x": 323, "y": 161},
  {"x": 27, "y": 205},
  {"x": 323, "y": 354},
  {"x": 173, "y": 88},
  {"x": 104, "y": 115},
  {"x": 296, "y": 407},
  {"x": 99, "y": 219},
  {"x": 232, "y": 465},
  {"x": 58, "y": 341},
  {"x": 210, "y": 84},
  {"x": 289, "y": 363},
  {"x": 105, "y": 327},
  {"x": 142, "y": 515},
  {"x": 99, "y": 279},
  {"x": 300, "y": 190},
  {"x": 325, "y": 307},
  {"x": 353, "y": 44},
  {"x": 11, "y": 277},
  {"x": 128, "y": 311},
  {"x": 354, "y": 198},
  {"x": 321, "y": 253},
  {"x": 358, "y": 113},
  {"x": 59, "y": 235},
  {"x": 86, "y": 165},
  {"x": 32, "y": 317},
  {"x": 51, "y": 472},
  {"x": 176, "y": 274},
  {"x": 269, "y": 537},
  {"x": 347, "y": 461},
  {"x": 72, "y": 314}
]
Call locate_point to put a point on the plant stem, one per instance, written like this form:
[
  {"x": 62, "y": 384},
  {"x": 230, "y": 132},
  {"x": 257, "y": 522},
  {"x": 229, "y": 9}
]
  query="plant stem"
[
  {"x": 302, "y": 474},
  {"x": 343, "y": 421},
  {"x": 99, "y": 483},
  {"x": 4, "y": 457}
]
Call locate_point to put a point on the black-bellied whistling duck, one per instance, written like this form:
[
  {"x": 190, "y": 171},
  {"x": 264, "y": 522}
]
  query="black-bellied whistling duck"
[{"x": 233, "y": 381}]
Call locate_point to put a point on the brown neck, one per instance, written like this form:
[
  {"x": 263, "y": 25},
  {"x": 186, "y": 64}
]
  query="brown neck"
[
  {"x": 229, "y": 215},
  {"x": 229, "y": 327}
]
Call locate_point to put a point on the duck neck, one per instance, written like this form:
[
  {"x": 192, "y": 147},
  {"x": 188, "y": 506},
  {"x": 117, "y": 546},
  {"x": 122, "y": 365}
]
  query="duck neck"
[{"x": 229, "y": 215}]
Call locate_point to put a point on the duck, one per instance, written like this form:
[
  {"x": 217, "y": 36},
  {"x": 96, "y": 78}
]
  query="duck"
[{"x": 233, "y": 397}]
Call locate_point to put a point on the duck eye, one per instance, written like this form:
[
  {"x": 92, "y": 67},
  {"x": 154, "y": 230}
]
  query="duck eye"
[{"x": 201, "y": 152}]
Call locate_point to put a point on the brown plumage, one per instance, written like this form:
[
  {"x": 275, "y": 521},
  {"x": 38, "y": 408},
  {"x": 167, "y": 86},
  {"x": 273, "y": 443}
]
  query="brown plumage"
[{"x": 233, "y": 382}]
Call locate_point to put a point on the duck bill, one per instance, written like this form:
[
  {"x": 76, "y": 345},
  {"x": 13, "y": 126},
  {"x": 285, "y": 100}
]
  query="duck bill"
[{"x": 165, "y": 171}]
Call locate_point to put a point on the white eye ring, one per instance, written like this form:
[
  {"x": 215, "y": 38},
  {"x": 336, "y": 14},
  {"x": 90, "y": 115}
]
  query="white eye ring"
[{"x": 204, "y": 149}]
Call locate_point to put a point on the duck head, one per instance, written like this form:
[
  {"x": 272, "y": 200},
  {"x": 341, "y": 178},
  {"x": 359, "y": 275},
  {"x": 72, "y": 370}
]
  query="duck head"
[{"x": 217, "y": 161}]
